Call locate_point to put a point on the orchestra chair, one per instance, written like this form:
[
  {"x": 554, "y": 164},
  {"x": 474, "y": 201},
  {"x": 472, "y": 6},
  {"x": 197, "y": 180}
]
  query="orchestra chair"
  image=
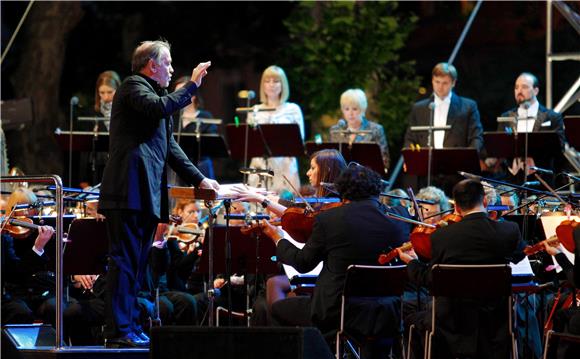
[
  {"x": 471, "y": 281},
  {"x": 566, "y": 337},
  {"x": 368, "y": 282}
]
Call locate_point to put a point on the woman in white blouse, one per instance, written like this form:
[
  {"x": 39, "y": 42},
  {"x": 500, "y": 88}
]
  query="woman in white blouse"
[{"x": 274, "y": 92}]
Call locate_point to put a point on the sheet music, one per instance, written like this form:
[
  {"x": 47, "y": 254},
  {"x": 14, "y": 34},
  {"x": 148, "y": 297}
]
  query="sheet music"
[
  {"x": 522, "y": 268},
  {"x": 289, "y": 270}
]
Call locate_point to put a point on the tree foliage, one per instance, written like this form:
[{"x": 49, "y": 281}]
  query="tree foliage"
[{"x": 335, "y": 46}]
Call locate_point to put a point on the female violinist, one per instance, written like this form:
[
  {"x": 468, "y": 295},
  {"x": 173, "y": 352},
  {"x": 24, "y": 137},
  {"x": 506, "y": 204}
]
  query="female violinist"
[{"x": 325, "y": 166}]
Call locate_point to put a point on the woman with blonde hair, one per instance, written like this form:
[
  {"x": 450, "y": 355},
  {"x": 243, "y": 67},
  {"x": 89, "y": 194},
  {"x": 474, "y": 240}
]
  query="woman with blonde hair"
[{"x": 274, "y": 93}]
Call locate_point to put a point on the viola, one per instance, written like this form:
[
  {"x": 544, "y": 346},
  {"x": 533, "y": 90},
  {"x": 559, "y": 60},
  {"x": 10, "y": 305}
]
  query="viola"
[
  {"x": 299, "y": 222},
  {"x": 565, "y": 233},
  {"x": 420, "y": 239},
  {"x": 19, "y": 228}
]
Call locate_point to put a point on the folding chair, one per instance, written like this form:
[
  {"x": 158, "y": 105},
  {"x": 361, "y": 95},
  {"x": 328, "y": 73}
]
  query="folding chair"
[
  {"x": 470, "y": 281},
  {"x": 367, "y": 282},
  {"x": 567, "y": 337}
]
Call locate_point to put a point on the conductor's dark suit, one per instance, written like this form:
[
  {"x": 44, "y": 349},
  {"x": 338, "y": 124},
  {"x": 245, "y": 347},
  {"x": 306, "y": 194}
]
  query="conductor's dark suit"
[
  {"x": 463, "y": 117},
  {"x": 471, "y": 327},
  {"x": 134, "y": 187},
  {"x": 355, "y": 233}
]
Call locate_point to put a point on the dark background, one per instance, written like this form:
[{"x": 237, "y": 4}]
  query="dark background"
[{"x": 242, "y": 38}]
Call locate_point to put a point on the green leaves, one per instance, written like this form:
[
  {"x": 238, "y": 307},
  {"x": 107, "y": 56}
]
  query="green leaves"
[{"x": 340, "y": 45}]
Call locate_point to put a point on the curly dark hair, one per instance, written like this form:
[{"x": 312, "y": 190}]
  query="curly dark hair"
[{"x": 358, "y": 182}]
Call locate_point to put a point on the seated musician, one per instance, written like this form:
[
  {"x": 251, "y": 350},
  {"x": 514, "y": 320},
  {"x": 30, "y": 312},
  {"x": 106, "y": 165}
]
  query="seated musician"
[
  {"x": 23, "y": 297},
  {"x": 354, "y": 233},
  {"x": 432, "y": 213},
  {"x": 325, "y": 166},
  {"x": 568, "y": 319},
  {"x": 476, "y": 239}
]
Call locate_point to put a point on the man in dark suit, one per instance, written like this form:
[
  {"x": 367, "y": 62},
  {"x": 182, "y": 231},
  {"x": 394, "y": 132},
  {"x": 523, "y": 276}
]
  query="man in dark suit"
[
  {"x": 355, "y": 233},
  {"x": 447, "y": 109},
  {"x": 526, "y": 90},
  {"x": 476, "y": 239},
  {"x": 444, "y": 108},
  {"x": 134, "y": 188}
]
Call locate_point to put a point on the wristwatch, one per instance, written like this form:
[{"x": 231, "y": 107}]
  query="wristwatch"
[{"x": 265, "y": 203}]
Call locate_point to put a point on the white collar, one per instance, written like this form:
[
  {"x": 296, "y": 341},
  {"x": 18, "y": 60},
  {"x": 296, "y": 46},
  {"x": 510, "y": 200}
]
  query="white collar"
[{"x": 446, "y": 99}]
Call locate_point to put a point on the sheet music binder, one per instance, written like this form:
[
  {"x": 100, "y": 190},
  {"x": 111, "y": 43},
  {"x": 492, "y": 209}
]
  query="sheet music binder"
[
  {"x": 444, "y": 161},
  {"x": 365, "y": 153}
]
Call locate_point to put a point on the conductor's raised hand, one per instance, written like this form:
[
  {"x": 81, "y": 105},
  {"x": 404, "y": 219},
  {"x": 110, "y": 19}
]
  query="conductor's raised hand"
[
  {"x": 209, "y": 184},
  {"x": 199, "y": 72}
]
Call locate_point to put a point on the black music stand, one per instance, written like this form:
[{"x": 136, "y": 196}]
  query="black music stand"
[
  {"x": 507, "y": 145},
  {"x": 572, "y": 125},
  {"x": 212, "y": 145},
  {"x": 82, "y": 141},
  {"x": 86, "y": 247},
  {"x": 366, "y": 153},
  {"x": 444, "y": 160},
  {"x": 243, "y": 252},
  {"x": 278, "y": 140}
]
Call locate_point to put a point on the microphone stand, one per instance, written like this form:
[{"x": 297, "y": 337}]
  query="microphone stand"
[
  {"x": 70, "y": 139},
  {"x": 430, "y": 141}
]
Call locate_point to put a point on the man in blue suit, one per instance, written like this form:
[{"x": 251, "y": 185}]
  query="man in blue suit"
[{"x": 134, "y": 186}]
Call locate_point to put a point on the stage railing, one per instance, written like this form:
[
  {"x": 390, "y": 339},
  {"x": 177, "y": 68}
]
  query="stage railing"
[{"x": 56, "y": 180}]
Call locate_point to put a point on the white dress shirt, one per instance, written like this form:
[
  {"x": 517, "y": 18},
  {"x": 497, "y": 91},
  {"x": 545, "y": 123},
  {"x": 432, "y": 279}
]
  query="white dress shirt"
[
  {"x": 526, "y": 118},
  {"x": 440, "y": 118}
]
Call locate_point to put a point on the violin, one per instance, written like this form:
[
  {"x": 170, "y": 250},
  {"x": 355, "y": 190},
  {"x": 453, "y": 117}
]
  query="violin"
[
  {"x": 564, "y": 235},
  {"x": 19, "y": 228},
  {"x": 299, "y": 222},
  {"x": 538, "y": 247},
  {"x": 420, "y": 239}
]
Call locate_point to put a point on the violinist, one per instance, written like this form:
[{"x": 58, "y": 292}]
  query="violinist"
[
  {"x": 354, "y": 233},
  {"x": 568, "y": 320},
  {"x": 325, "y": 166},
  {"x": 476, "y": 239},
  {"x": 432, "y": 213},
  {"x": 24, "y": 298}
]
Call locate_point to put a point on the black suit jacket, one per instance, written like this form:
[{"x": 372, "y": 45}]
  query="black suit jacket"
[
  {"x": 546, "y": 120},
  {"x": 355, "y": 233},
  {"x": 141, "y": 145},
  {"x": 474, "y": 240},
  {"x": 463, "y": 117}
]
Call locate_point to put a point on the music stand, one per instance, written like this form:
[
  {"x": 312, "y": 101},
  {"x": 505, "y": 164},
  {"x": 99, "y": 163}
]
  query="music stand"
[
  {"x": 207, "y": 144},
  {"x": 572, "y": 125},
  {"x": 86, "y": 247},
  {"x": 244, "y": 259},
  {"x": 15, "y": 114},
  {"x": 282, "y": 140},
  {"x": 444, "y": 160},
  {"x": 82, "y": 140},
  {"x": 507, "y": 145},
  {"x": 366, "y": 153}
]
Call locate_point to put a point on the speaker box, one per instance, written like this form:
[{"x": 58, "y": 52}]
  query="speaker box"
[{"x": 180, "y": 342}]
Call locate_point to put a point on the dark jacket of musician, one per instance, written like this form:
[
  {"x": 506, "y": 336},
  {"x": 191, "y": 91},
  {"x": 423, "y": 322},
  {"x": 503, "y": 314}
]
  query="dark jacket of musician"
[
  {"x": 475, "y": 328},
  {"x": 355, "y": 233},
  {"x": 463, "y": 117},
  {"x": 136, "y": 177}
]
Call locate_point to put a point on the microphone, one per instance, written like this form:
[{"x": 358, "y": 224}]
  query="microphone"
[
  {"x": 342, "y": 123},
  {"x": 36, "y": 204},
  {"x": 469, "y": 175},
  {"x": 246, "y": 94},
  {"x": 74, "y": 101},
  {"x": 571, "y": 176},
  {"x": 255, "y": 217},
  {"x": 531, "y": 183},
  {"x": 432, "y": 105},
  {"x": 542, "y": 170}
]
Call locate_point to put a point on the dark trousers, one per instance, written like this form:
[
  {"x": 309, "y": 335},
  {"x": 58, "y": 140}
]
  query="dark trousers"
[{"x": 130, "y": 236}]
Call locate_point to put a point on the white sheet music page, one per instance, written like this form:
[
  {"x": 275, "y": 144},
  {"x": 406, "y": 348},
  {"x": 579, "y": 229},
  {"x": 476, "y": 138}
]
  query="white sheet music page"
[{"x": 289, "y": 270}]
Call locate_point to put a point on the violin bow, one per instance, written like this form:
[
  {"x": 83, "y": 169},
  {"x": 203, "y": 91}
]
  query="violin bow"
[
  {"x": 298, "y": 193},
  {"x": 415, "y": 204}
]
